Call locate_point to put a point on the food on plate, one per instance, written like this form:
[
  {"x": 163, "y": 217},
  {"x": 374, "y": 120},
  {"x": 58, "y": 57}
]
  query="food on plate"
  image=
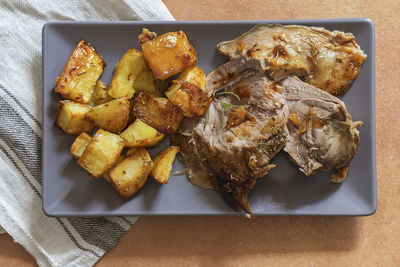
[
  {"x": 79, "y": 145},
  {"x": 163, "y": 164},
  {"x": 235, "y": 155},
  {"x": 158, "y": 112},
  {"x": 189, "y": 98},
  {"x": 162, "y": 85},
  {"x": 131, "y": 173},
  {"x": 106, "y": 175},
  {"x": 188, "y": 92},
  {"x": 196, "y": 169},
  {"x": 80, "y": 74},
  {"x": 226, "y": 127},
  {"x": 253, "y": 118},
  {"x": 167, "y": 54},
  {"x": 141, "y": 134},
  {"x": 109, "y": 110},
  {"x": 112, "y": 116},
  {"x": 71, "y": 117},
  {"x": 146, "y": 81},
  {"x": 101, "y": 153},
  {"x": 327, "y": 60},
  {"x": 126, "y": 71},
  {"x": 322, "y": 134},
  {"x": 100, "y": 94},
  {"x": 194, "y": 75}
]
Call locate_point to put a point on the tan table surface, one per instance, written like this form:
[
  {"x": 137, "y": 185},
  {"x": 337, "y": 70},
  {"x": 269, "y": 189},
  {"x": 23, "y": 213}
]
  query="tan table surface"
[{"x": 277, "y": 241}]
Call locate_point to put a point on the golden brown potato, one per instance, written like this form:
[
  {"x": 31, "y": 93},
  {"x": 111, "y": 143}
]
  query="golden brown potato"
[
  {"x": 141, "y": 134},
  {"x": 131, "y": 150},
  {"x": 146, "y": 81},
  {"x": 101, "y": 153},
  {"x": 79, "y": 145},
  {"x": 158, "y": 112},
  {"x": 189, "y": 98},
  {"x": 100, "y": 94},
  {"x": 163, "y": 164},
  {"x": 162, "y": 85},
  {"x": 128, "y": 176},
  {"x": 125, "y": 73},
  {"x": 194, "y": 75},
  {"x": 71, "y": 117},
  {"x": 106, "y": 175},
  {"x": 80, "y": 74},
  {"x": 112, "y": 116},
  {"x": 167, "y": 54}
]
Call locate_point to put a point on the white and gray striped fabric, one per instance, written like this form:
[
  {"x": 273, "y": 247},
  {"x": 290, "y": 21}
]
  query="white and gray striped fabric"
[{"x": 51, "y": 241}]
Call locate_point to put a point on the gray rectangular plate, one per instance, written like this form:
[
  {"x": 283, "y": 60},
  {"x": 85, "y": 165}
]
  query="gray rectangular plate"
[{"x": 68, "y": 191}]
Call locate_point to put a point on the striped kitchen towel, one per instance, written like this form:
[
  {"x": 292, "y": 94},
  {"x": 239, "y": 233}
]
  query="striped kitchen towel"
[{"x": 51, "y": 241}]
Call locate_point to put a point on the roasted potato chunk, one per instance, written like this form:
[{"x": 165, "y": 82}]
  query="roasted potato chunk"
[
  {"x": 79, "y": 145},
  {"x": 163, "y": 164},
  {"x": 112, "y": 116},
  {"x": 71, "y": 117},
  {"x": 189, "y": 98},
  {"x": 194, "y": 75},
  {"x": 167, "y": 54},
  {"x": 80, "y": 74},
  {"x": 141, "y": 134},
  {"x": 128, "y": 68},
  {"x": 128, "y": 176},
  {"x": 100, "y": 94},
  {"x": 101, "y": 153},
  {"x": 158, "y": 112},
  {"x": 162, "y": 85},
  {"x": 106, "y": 175},
  {"x": 146, "y": 81}
]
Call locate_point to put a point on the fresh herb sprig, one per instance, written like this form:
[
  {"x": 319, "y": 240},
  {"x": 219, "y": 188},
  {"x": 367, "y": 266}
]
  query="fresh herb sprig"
[
  {"x": 226, "y": 107},
  {"x": 226, "y": 93}
]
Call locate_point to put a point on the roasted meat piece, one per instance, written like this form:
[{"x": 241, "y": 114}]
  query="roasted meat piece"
[
  {"x": 244, "y": 128},
  {"x": 327, "y": 60},
  {"x": 322, "y": 134},
  {"x": 196, "y": 168}
]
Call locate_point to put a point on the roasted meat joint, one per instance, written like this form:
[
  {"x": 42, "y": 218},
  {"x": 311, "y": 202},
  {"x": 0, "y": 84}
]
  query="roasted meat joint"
[
  {"x": 277, "y": 93},
  {"x": 328, "y": 60}
]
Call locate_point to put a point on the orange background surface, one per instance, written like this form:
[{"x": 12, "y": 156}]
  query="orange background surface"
[{"x": 280, "y": 241}]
